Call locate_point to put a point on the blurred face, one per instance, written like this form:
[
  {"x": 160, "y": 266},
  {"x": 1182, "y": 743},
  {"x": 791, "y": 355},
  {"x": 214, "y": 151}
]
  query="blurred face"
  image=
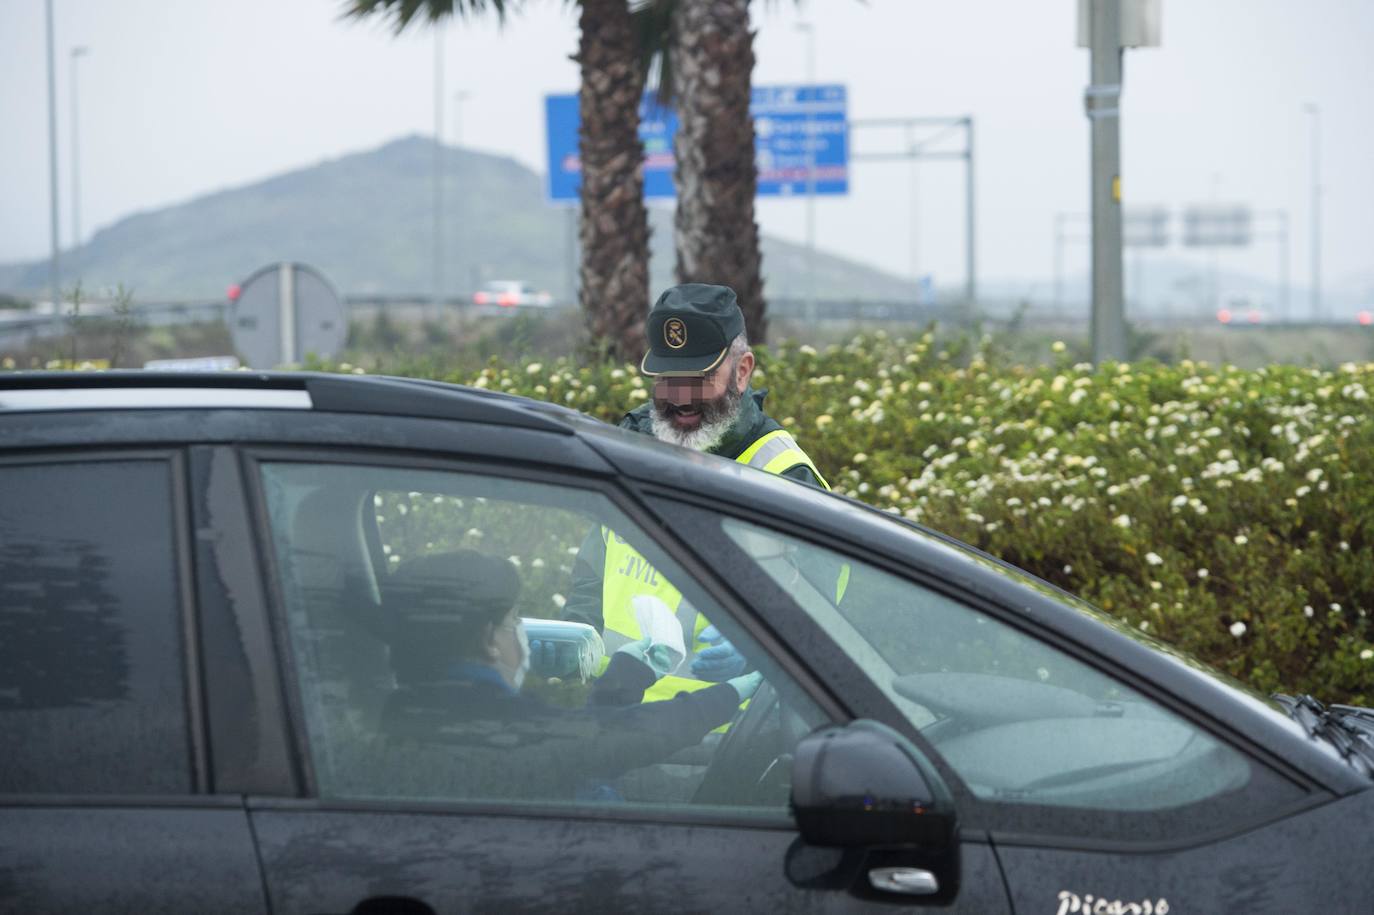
[{"x": 697, "y": 411}]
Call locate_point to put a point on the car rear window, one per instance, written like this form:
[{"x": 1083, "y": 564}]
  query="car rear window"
[{"x": 92, "y": 692}]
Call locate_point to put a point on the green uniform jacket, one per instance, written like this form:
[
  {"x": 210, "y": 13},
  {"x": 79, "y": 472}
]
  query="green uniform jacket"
[{"x": 584, "y": 604}]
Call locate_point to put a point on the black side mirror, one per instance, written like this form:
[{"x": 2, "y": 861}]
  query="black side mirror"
[{"x": 865, "y": 785}]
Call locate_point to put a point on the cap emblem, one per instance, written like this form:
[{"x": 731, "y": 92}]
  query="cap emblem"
[{"x": 675, "y": 333}]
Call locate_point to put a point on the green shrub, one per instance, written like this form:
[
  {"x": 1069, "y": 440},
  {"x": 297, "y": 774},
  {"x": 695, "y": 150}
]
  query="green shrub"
[{"x": 1227, "y": 511}]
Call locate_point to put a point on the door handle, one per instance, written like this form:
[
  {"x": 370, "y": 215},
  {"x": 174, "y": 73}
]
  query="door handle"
[{"x": 909, "y": 880}]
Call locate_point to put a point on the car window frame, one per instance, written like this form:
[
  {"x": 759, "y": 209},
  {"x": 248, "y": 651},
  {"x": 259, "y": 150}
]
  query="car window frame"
[
  {"x": 1003, "y": 821},
  {"x": 193, "y": 711},
  {"x": 663, "y": 539}
]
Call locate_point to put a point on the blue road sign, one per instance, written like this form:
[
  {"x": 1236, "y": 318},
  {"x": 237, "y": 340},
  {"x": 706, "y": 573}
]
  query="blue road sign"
[
  {"x": 797, "y": 128},
  {"x": 657, "y": 126},
  {"x": 794, "y": 128}
]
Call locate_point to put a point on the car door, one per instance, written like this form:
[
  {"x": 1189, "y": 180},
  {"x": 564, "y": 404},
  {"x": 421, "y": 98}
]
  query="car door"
[
  {"x": 105, "y": 771},
  {"x": 420, "y": 798},
  {"x": 1099, "y": 792}
]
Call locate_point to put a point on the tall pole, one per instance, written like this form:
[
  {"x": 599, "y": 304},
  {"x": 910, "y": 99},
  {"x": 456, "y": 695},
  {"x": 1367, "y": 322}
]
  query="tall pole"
[
  {"x": 915, "y": 206},
  {"x": 1058, "y": 262},
  {"x": 971, "y": 291},
  {"x": 438, "y": 164},
  {"x": 811, "y": 312},
  {"x": 1102, "y": 100},
  {"x": 1283, "y": 265},
  {"x": 77, "y": 53},
  {"x": 53, "y": 276},
  {"x": 459, "y": 97},
  {"x": 1316, "y": 305}
]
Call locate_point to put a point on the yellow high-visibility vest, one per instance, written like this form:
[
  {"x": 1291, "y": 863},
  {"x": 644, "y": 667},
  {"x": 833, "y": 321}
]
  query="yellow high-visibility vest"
[{"x": 626, "y": 574}]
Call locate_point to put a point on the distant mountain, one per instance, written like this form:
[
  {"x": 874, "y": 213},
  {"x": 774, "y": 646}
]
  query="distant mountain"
[{"x": 365, "y": 220}]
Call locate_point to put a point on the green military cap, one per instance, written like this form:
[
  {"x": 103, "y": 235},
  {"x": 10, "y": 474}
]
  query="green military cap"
[{"x": 690, "y": 328}]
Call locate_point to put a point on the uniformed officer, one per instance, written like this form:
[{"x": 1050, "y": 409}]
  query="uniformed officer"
[{"x": 700, "y": 361}]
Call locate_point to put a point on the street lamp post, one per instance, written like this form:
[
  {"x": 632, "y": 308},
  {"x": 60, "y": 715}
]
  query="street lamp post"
[
  {"x": 459, "y": 97},
  {"x": 810, "y": 140},
  {"x": 1313, "y": 109},
  {"x": 78, "y": 52},
  {"x": 53, "y": 275},
  {"x": 438, "y": 165}
]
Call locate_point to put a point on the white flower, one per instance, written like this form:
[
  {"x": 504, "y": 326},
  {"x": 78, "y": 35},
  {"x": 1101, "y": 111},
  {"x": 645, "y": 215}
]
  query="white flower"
[
  {"x": 1335, "y": 608},
  {"x": 534, "y": 368},
  {"x": 1238, "y": 629},
  {"x": 860, "y": 458},
  {"x": 1058, "y": 346},
  {"x": 1202, "y": 573},
  {"x": 1307, "y": 611},
  {"x": 1314, "y": 474},
  {"x": 1154, "y": 559},
  {"x": 1122, "y": 521},
  {"x": 1241, "y": 540},
  {"x": 559, "y": 600},
  {"x": 1367, "y": 654}
]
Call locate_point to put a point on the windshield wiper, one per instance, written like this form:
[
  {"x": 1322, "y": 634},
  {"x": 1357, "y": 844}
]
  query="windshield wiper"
[{"x": 1347, "y": 728}]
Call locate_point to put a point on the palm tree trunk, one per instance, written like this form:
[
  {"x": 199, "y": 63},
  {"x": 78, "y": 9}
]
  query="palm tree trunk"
[
  {"x": 614, "y": 230},
  {"x": 717, "y": 238}
]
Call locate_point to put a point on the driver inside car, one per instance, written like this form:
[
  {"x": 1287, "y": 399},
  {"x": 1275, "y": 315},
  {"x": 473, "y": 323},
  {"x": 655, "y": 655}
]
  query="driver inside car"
[{"x": 460, "y": 655}]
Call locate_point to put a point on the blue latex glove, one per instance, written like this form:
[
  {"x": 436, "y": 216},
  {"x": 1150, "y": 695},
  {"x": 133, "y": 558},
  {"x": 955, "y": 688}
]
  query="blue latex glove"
[
  {"x": 746, "y": 685},
  {"x": 656, "y": 657},
  {"x": 720, "y": 661}
]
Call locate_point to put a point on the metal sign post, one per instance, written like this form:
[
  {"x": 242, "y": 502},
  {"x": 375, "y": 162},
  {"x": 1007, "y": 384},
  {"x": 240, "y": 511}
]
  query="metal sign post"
[
  {"x": 915, "y": 151},
  {"x": 1103, "y": 103},
  {"x": 285, "y": 312}
]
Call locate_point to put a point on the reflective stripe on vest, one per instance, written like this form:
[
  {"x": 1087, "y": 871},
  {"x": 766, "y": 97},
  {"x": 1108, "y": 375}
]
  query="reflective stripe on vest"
[{"x": 778, "y": 452}]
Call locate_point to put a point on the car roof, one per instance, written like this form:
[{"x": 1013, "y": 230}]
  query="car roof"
[{"x": 29, "y": 392}]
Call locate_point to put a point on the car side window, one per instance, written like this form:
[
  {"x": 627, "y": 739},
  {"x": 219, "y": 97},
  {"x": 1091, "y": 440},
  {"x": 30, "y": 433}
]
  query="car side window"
[
  {"x": 1019, "y": 720},
  {"x": 408, "y": 593},
  {"x": 92, "y": 686}
]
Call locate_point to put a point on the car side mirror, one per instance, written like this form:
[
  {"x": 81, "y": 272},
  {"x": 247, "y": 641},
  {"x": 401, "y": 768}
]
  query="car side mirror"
[{"x": 865, "y": 785}]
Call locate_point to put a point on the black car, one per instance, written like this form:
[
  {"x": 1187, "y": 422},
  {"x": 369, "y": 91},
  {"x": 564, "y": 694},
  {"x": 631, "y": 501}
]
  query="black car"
[{"x": 197, "y": 572}]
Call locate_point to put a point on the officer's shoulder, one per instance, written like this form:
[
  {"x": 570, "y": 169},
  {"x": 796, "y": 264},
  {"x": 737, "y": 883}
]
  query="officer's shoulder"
[{"x": 638, "y": 419}]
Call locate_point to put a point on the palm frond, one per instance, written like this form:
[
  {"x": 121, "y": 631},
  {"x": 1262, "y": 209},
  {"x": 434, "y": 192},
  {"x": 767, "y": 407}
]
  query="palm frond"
[
  {"x": 652, "y": 21},
  {"x": 403, "y": 13}
]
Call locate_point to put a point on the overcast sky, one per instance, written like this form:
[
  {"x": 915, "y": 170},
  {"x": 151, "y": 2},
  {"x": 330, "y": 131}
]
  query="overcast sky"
[{"x": 181, "y": 98}]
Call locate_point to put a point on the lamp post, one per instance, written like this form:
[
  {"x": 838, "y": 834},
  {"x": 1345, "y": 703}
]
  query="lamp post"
[
  {"x": 78, "y": 52},
  {"x": 1316, "y": 304},
  {"x": 438, "y": 165},
  {"x": 53, "y": 276},
  {"x": 810, "y": 140},
  {"x": 459, "y": 97}
]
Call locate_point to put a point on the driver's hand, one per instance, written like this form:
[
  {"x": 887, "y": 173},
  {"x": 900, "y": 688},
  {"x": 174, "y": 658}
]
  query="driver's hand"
[{"x": 746, "y": 685}]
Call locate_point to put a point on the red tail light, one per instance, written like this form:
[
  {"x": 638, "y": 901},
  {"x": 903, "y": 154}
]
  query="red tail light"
[
  {"x": 480, "y": 298},
  {"x": 507, "y": 299}
]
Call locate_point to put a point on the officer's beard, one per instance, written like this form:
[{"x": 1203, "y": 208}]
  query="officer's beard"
[{"x": 717, "y": 416}]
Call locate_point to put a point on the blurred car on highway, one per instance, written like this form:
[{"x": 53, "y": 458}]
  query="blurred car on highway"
[{"x": 510, "y": 294}]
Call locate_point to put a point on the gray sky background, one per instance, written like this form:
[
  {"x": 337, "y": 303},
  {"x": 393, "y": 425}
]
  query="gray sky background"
[{"x": 178, "y": 99}]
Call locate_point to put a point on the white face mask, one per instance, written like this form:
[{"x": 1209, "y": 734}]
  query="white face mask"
[{"x": 516, "y": 676}]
